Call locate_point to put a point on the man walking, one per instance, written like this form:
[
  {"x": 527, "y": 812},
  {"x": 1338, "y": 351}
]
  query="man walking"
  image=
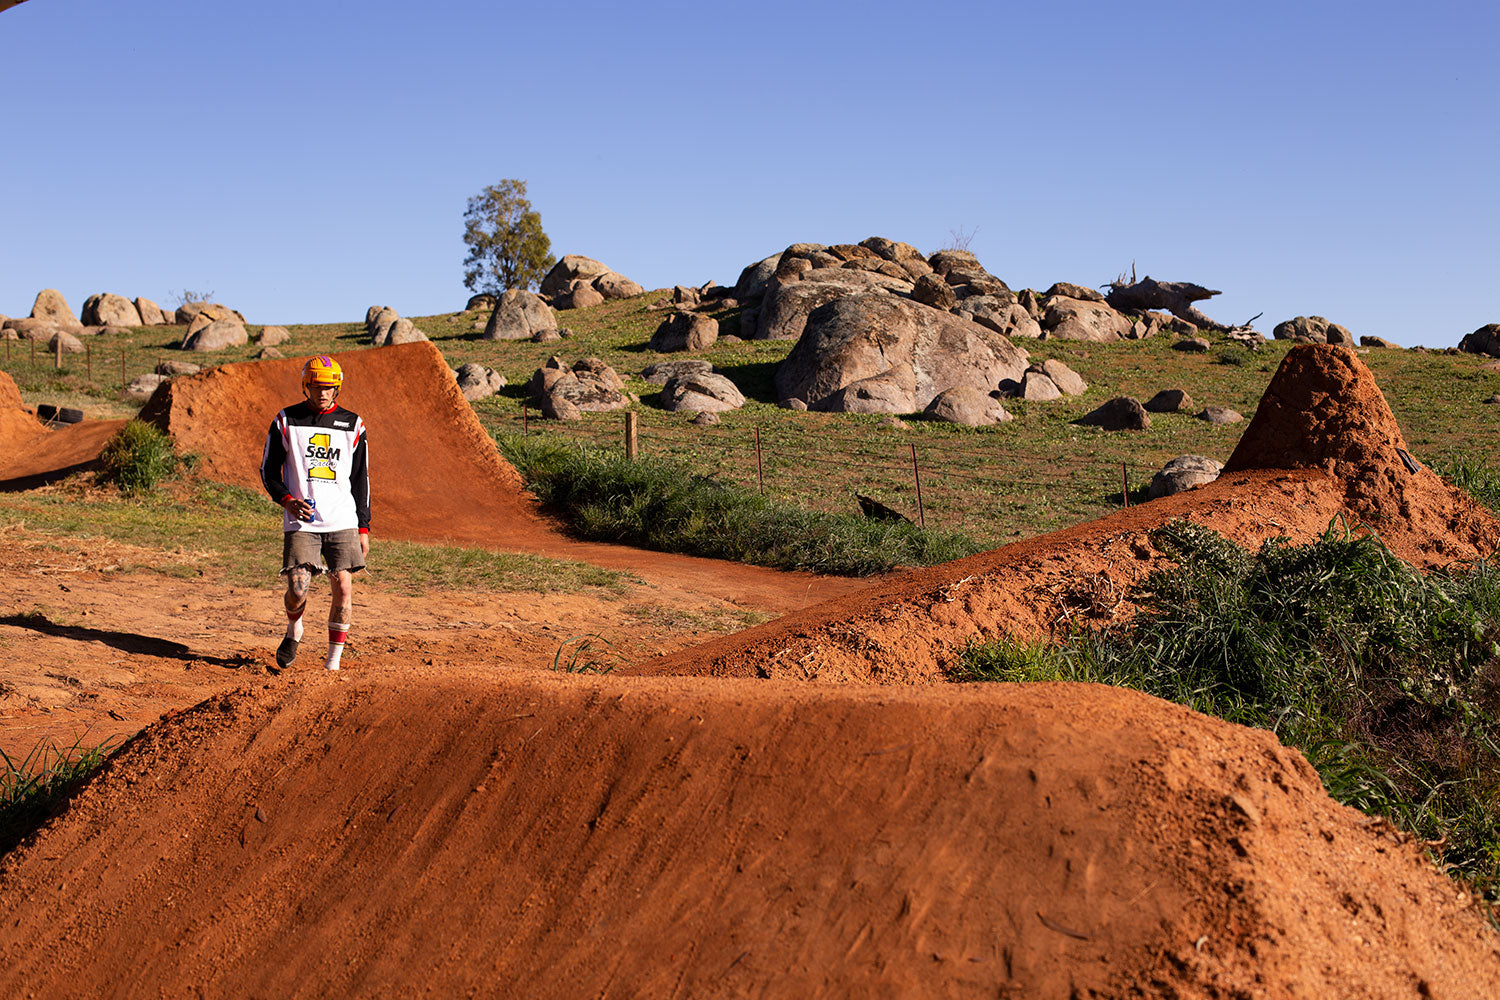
[{"x": 316, "y": 466}]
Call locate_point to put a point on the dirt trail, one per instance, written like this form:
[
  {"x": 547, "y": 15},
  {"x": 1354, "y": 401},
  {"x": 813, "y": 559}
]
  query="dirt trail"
[
  {"x": 1323, "y": 443},
  {"x": 552, "y": 836}
]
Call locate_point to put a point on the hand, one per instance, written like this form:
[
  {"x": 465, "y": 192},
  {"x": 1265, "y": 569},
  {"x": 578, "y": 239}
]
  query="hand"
[
  {"x": 364, "y": 545},
  {"x": 299, "y": 509}
]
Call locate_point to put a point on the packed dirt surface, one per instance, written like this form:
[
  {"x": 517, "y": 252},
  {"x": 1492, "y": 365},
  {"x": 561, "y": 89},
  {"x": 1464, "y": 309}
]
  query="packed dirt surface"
[
  {"x": 448, "y": 816},
  {"x": 1323, "y": 444},
  {"x": 556, "y": 836}
]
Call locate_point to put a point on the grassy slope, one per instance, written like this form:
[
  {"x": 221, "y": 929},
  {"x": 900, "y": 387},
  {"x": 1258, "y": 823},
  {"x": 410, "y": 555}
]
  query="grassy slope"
[{"x": 1032, "y": 475}]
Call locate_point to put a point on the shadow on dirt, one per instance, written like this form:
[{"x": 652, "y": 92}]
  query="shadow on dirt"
[{"x": 127, "y": 642}]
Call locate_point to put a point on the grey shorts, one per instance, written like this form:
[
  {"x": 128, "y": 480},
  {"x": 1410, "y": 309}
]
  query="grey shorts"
[{"x": 322, "y": 551}]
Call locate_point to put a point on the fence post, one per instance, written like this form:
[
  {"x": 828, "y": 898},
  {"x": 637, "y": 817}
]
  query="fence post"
[
  {"x": 57, "y": 351},
  {"x": 760, "y": 475},
  {"x": 33, "y": 350},
  {"x": 1124, "y": 485},
  {"x": 916, "y": 474},
  {"x": 630, "y": 435}
]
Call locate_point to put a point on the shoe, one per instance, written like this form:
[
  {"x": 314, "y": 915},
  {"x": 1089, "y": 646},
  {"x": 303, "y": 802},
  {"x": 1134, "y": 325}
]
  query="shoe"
[{"x": 286, "y": 652}]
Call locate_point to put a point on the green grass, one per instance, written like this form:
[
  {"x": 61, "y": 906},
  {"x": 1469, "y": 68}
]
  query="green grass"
[
  {"x": 200, "y": 528},
  {"x": 659, "y": 503},
  {"x": 33, "y": 787},
  {"x": 1386, "y": 678}
]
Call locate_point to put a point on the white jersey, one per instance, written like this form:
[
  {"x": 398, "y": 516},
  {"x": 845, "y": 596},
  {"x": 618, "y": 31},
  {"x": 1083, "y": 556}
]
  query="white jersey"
[{"x": 322, "y": 458}]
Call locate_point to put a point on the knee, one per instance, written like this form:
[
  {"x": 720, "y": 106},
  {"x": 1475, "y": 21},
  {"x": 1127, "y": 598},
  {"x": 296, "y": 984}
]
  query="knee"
[{"x": 297, "y": 582}]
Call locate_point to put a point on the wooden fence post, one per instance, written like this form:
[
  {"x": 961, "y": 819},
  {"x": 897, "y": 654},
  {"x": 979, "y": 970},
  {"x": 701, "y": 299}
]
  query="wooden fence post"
[
  {"x": 1124, "y": 485},
  {"x": 916, "y": 474},
  {"x": 630, "y": 435},
  {"x": 57, "y": 351},
  {"x": 760, "y": 475}
]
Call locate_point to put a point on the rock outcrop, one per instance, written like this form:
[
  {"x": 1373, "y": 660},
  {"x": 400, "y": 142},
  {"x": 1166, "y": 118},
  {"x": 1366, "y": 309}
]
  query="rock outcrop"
[
  {"x": 577, "y": 282},
  {"x": 519, "y": 315}
]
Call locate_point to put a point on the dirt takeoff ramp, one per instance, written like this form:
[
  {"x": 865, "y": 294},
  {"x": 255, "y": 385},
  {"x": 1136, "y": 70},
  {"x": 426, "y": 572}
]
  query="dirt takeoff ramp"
[
  {"x": 1323, "y": 444},
  {"x": 559, "y": 836},
  {"x": 32, "y": 454}
]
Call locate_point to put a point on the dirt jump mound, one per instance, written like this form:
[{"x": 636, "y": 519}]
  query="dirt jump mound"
[
  {"x": 32, "y": 454},
  {"x": 1323, "y": 443},
  {"x": 556, "y": 836},
  {"x": 441, "y": 471}
]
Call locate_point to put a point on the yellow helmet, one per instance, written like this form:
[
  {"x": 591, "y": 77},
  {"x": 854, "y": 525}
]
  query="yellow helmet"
[{"x": 322, "y": 370}]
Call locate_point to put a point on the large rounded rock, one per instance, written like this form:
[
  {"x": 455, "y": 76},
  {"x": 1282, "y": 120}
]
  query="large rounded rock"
[
  {"x": 1119, "y": 414},
  {"x": 518, "y": 315},
  {"x": 216, "y": 336},
  {"x": 477, "y": 382},
  {"x": 1002, "y": 314},
  {"x": 579, "y": 295},
  {"x": 1080, "y": 319},
  {"x": 142, "y": 386},
  {"x": 190, "y": 310},
  {"x": 858, "y": 278},
  {"x": 1220, "y": 415},
  {"x": 1183, "y": 473},
  {"x": 482, "y": 301},
  {"x": 783, "y": 314},
  {"x": 150, "y": 312},
  {"x": 752, "y": 282},
  {"x": 1072, "y": 291},
  {"x": 380, "y": 326},
  {"x": 573, "y": 267},
  {"x": 892, "y": 250},
  {"x": 1036, "y": 386},
  {"x": 107, "y": 309},
  {"x": 587, "y": 392},
  {"x": 1065, "y": 378},
  {"x": 685, "y": 331},
  {"x": 69, "y": 343},
  {"x": 949, "y": 260},
  {"x": 403, "y": 331},
  {"x": 864, "y": 335},
  {"x": 31, "y": 328},
  {"x": 50, "y": 305},
  {"x": 663, "y": 371},
  {"x": 1315, "y": 329},
  {"x": 616, "y": 286},
  {"x": 966, "y": 405},
  {"x": 931, "y": 290},
  {"x": 1485, "y": 340},
  {"x": 892, "y": 391},
  {"x": 705, "y": 393},
  {"x": 599, "y": 369},
  {"x": 1170, "y": 401},
  {"x": 273, "y": 336}
]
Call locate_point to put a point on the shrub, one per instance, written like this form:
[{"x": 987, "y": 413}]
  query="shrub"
[
  {"x": 137, "y": 458},
  {"x": 1387, "y": 679},
  {"x": 658, "y": 503}
]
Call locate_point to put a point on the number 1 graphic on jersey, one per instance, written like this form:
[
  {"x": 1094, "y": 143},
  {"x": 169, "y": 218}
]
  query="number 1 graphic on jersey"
[{"x": 320, "y": 458}]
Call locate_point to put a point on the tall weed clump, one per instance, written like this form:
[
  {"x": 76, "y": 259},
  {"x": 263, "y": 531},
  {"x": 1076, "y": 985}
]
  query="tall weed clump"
[
  {"x": 32, "y": 787},
  {"x": 137, "y": 458},
  {"x": 1386, "y": 678},
  {"x": 659, "y": 503}
]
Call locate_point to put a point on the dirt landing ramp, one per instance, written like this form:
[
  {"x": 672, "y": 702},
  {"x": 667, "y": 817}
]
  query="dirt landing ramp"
[
  {"x": 435, "y": 475},
  {"x": 32, "y": 455},
  {"x": 1323, "y": 443},
  {"x": 556, "y": 836}
]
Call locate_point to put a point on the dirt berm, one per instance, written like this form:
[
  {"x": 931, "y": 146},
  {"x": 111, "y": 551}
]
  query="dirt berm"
[
  {"x": 32, "y": 454},
  {"x": 1323, "y": 444},
  {"x": 558, "y": 836}
]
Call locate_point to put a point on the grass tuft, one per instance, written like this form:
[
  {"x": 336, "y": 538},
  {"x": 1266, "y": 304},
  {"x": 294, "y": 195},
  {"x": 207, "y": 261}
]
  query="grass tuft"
[
  {"x": 1388, "y": 680},
  {"x": 32, "y": 789},
  {"x": 137, "y": 458},
  {"x": 659, "y": 503}
]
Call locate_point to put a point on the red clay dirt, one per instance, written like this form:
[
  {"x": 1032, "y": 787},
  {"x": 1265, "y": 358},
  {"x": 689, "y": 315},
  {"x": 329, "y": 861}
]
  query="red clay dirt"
[
  {"x": 1322, "y": 444},
  {"x": 468, "y": 826},
  {"x": 556, "y": 836}
]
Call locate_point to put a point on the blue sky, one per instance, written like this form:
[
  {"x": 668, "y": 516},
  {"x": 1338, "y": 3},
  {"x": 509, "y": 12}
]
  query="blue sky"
[{"x": 305, "y": 160}]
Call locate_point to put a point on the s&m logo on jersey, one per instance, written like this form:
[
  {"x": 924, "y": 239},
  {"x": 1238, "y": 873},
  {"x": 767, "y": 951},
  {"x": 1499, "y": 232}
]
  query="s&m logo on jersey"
[{"x": 320, "y": 457}]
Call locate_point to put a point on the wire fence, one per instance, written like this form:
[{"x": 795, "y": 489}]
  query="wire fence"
[{"x": 946, "y": 477}]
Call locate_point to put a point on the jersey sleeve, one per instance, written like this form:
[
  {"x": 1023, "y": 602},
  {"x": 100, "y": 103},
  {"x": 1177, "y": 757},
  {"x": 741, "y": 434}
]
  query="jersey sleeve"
[
  {"x": 273, "y": 460},
  {"x": 359, "y": 477}
]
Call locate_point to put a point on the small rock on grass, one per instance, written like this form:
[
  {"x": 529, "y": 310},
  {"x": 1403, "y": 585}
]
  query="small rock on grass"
[{"x": 706, "y": 419}]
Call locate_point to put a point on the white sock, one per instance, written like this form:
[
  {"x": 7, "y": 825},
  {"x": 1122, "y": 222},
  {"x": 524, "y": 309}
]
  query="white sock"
[
  {"x": 294, "y": 629},
  {"x": 336, "y": 636}
]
